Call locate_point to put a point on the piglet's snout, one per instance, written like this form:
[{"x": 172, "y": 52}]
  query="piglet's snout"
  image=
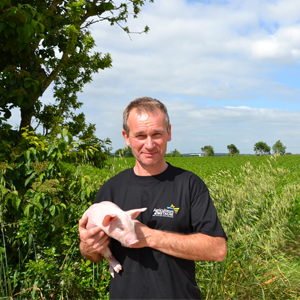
[
  {"x": 133, "y": 243},
  {"x": 130, "y": 240}
]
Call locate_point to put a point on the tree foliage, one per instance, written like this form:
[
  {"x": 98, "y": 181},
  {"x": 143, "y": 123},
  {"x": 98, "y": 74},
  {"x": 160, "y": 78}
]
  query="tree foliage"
[
  {"x": 44, "y": 42},
  {"x": 208, "y": 150},
  {"x": 41, "y": 200},
  {"x": 233, "y": 150},
  {"x": 125, "y": 152},
  {"x": 262, "y": 148},
  {"x": 174, "y": 153},
  {"x": 278, "y": 148}
]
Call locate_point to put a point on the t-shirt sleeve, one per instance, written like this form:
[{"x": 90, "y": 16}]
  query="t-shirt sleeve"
[{"x": 204, "y": 218}]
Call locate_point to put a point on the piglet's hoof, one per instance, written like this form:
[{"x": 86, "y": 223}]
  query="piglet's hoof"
[{"x": 118, "y": 268}]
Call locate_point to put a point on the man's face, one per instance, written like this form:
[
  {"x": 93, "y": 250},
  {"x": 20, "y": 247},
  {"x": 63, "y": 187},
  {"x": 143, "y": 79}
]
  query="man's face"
[{"x": 148, "y": 137}]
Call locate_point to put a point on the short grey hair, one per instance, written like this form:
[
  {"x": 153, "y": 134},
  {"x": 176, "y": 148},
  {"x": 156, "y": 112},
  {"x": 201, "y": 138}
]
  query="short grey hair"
[{"x": 147, "y": 105}]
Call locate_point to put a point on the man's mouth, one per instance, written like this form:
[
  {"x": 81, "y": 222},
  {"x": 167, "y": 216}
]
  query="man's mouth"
[{"x": 149, "y": 154}]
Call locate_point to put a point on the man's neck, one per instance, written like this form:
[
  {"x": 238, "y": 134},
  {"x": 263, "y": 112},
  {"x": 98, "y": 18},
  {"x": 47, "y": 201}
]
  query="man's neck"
[{"x": 144, "y": 170}]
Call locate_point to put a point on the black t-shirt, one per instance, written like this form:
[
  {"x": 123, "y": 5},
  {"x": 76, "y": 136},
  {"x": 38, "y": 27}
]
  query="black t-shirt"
[{"x": 176, "y": 200}]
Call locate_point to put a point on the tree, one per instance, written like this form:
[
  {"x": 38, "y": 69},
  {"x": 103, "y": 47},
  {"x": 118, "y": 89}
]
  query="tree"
[
  {"x": 125, "y": 152},
  {"x": 208, "y": 150},
  {"x": 44, "y": 42},
  {"x": 174, "y": 153},
  {"x": 262, "y": 148},
  {"x": 44, "y": 199},
  {"x": 279, "y": 148},
  {"x": 233, "y": 150}
]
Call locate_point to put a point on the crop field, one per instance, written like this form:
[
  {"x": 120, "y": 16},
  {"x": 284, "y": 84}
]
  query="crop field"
[
  {"x": 257, "y": 200},
  {"x": 206, "y": 166}
]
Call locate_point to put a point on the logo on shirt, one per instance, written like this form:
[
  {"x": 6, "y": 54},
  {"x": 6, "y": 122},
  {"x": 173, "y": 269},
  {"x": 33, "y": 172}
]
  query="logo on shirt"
[{"x": 165, "y": 212}]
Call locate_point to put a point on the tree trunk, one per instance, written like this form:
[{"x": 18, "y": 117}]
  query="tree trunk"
[{"x": 26, "y": 116}]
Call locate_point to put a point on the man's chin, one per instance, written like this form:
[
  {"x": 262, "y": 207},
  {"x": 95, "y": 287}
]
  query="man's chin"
[{"x": 148, "y": 161}]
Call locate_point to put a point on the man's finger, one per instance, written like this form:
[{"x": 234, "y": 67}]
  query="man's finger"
[{"x": 83, "y": 221}]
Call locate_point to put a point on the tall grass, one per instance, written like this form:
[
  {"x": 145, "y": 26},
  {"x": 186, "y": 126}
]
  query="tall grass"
[
  {"x": 254, "y": 209},
  {"x": 256, "y": 203}
]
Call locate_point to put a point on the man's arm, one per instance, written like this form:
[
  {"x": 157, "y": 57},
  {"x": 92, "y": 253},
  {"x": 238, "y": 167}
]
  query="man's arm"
[
  {"x": 92, "y": 242},
  {"x": 195, "y": 246}
]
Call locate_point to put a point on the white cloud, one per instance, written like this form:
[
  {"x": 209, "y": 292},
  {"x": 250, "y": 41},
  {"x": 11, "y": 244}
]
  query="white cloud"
[
  {"x": 200, "y": 50},
  {"x": 221, "y": 52}
]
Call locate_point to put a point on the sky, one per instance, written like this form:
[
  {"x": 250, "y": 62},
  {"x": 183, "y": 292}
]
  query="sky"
[{"x": 227, "y": 70}]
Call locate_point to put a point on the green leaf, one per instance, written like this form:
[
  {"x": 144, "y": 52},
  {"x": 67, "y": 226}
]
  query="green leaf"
[
  {"x": 62, "y": 145},
  {"x": 28, "y": 172},
  {"x": 107, "y": 6},
  {"x": 30, "y": 239},
  {"x": 51, "y": 148},
  {"x": 63, "y": 206},
  {"x": 41, "y": 176},
  {"x": 27, "y": 210},
  {"x": 27, "y": 165},
  {"x": 44, "y": 203},
  {"x": 52, "y": 210},
  {"x": 82, "y": 195},
  {"x": 29, "y": 178},
  {"x": 39, "y": 206},
  {"x": 27, "y": 154},
  {"x": 64, "y": 133},
  {"x": 88, "y": 191},
  {"x": 72, "y": 184},
  {"x": 28, "y": 30},
  {"x": 16, "y": 202},
  {"x": 51, "y": 165}
]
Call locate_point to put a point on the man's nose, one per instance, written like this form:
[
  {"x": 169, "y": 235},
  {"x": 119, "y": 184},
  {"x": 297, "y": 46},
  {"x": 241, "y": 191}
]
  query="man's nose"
[{"x": 150, "y": 143}]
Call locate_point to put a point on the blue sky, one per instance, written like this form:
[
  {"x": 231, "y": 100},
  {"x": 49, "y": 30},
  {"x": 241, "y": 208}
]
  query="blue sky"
[{"x": 228, "y": 72}]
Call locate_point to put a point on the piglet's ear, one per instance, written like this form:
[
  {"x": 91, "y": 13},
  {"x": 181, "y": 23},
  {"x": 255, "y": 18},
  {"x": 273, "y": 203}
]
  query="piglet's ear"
[
  {"x": 107, "y": 220},
  {"x": 133, "y": 213}
]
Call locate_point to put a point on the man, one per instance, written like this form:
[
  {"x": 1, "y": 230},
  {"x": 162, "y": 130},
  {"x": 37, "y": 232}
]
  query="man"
[{"x": 179, "y": 226}]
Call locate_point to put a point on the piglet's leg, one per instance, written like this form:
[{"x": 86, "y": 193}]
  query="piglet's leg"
[{"x": 113, "y": 263}]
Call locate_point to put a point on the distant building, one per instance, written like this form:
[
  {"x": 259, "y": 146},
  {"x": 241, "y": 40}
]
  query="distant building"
[{"x": 196, "y": 154}]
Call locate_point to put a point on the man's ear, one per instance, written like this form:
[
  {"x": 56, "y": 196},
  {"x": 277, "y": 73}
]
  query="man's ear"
[
  {"x": 108, "y": 219},
  {"x": 126, "y": 138},
  {"x": 169, "y": 133}
]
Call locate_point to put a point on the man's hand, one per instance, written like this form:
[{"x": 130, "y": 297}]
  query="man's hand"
[
  {"x": 92, "y": 241},
  {"x": 142, "y": 232}
]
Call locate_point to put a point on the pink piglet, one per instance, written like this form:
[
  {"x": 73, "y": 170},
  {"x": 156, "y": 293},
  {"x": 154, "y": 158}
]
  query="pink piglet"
[{"x": 116, "y": 223}]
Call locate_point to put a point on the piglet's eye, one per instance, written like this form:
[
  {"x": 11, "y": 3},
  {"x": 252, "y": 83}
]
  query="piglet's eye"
[{"x": 120, "y": 227}]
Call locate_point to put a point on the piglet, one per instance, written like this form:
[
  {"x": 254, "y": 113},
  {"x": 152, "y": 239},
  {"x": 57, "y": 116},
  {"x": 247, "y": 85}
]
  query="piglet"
[{"x": 116, "y": 223}]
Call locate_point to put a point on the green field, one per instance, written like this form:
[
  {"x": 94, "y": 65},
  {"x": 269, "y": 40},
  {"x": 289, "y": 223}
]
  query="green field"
[
  {"x": 257, "y": 199},
  {"x": 258, "y": 202},
  {"x": 208, "y": 166},
  {"x": 205, "y": 167}
]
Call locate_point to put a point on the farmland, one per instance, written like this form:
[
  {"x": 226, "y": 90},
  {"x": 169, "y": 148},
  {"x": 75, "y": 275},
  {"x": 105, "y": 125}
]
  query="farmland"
[
  {"x": 257, "y": 199},
  {"x": 258, "y": 202}
]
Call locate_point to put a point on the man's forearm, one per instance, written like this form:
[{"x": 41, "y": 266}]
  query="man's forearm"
[{"x": 196, "y": 246}]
